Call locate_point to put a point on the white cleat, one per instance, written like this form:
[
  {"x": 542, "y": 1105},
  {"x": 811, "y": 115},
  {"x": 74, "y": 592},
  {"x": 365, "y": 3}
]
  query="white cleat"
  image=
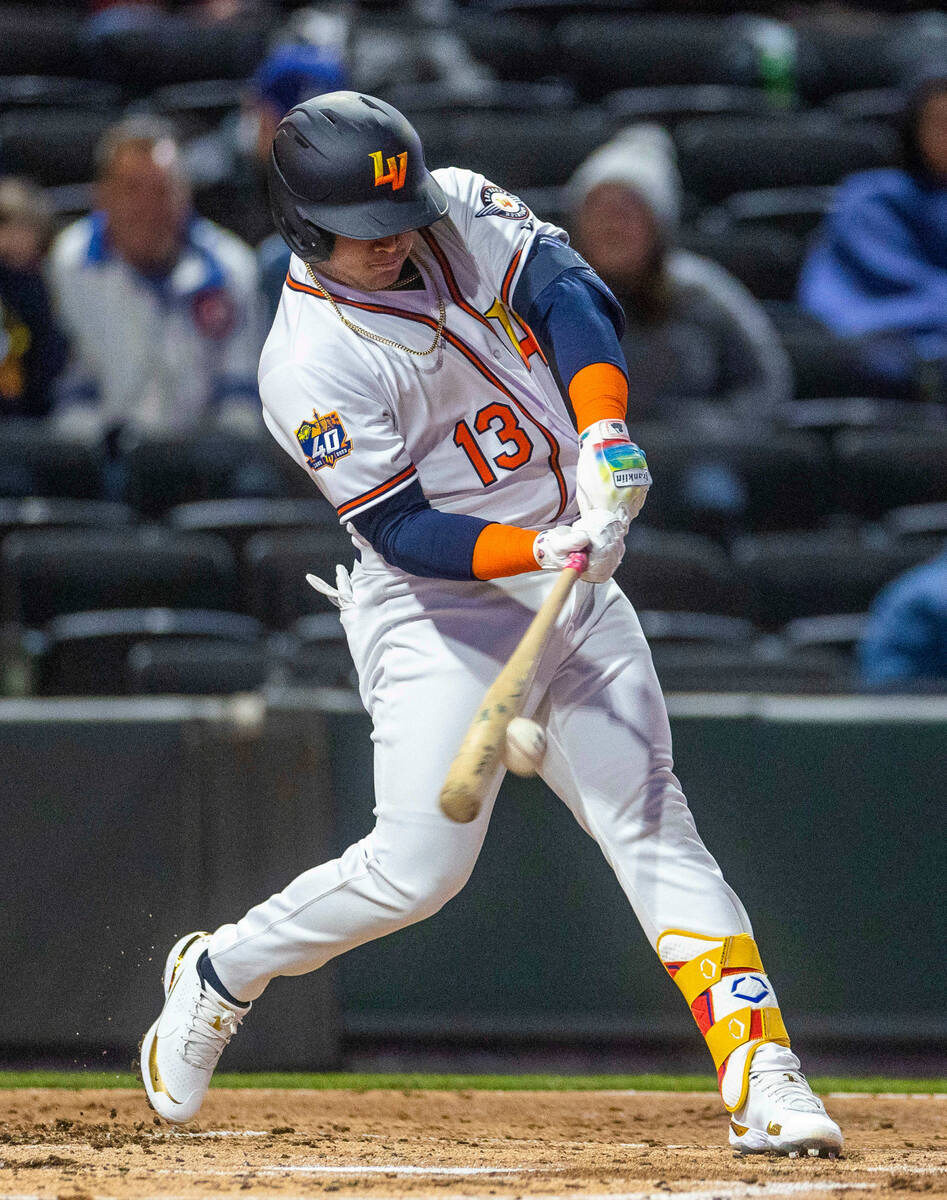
[
  {"x": 781, "y": 1115},
  {"x": 179, "y": 1052}
]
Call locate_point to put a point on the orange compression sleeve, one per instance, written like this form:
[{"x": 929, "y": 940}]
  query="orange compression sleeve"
[
  {"x": 503, "y": 550},
  {"x": 598, "y": 392}
]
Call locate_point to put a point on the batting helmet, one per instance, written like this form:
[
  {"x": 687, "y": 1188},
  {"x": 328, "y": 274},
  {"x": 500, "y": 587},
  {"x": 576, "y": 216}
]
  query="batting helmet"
[{"x": 345, "y": 163}]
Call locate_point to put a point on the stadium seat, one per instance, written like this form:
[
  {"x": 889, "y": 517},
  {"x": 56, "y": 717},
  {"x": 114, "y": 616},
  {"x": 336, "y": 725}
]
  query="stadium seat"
[
  {"x": 673, "y": 103},
  {"x": 238, "y": 520},
  {"x": 538, "y": 149},
  {"x": 512, "y": 46},
  {"x": 85, "y": 653},
  {"x": 832, "y": 631},
  {"x": 53, "y": 146},
  {"x": 795, "y": 210},
  {"x": 734, "y": 479},
  {"x": 442, "y": 97},
  {"x": 917, "y": 521},
  {"x": 825, "y": 365},
  {"x": 187, "y": 667},
  {"x": 46, "y": 573},
  {"x": 174, "y": 49},
  {"x": 719, "y": 156},
  {"x": 791, "y": 575},
  {"x": 608, "y": 52},
  {"x": 322, "y": 657},
  {"x": 198, "y": 107},
  {"x": 878, "y": 470},
  {"x": 35, "y": 460},
  {"x": 35, "y": 41},
  {"x": 766, "y": 261},
  {"x": 721, "y": 668},
  {"x": 274, "y": 568},
  {"x": 691, "y": 628},
  {"x": 162, "y": 472},
  {"x": 678, "y": 572},
  {"x": 882, "y": 104},
  {"x": 40, "y": 512},
  {"x": 846, "y": 56},
  {"x": 52, "y": 91}
]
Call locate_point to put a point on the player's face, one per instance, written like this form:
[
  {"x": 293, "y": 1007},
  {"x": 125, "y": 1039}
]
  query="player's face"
[{"x": 369, "y": 265}]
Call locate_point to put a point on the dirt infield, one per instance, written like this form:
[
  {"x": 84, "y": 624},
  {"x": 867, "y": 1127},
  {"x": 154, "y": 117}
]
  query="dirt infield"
[{"x": 276, "y": 1144}]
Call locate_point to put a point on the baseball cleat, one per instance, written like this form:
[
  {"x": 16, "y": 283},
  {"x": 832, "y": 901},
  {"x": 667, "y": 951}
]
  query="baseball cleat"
[
  {"x": 781, "y": 1115},
  {"x": 179, "y": 1052}
]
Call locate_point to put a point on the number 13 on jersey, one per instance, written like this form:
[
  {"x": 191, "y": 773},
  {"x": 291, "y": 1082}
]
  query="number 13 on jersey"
[{"x": 501, "y": 420}]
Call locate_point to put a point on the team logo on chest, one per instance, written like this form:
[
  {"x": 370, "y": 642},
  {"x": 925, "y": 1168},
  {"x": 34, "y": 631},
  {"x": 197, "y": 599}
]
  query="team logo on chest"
[
  {"x": 498, "y": 203},
  {"x": 323, "y": 440}
]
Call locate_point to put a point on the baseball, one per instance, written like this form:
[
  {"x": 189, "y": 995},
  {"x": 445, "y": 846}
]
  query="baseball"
[{"x": 524, "y": 747}]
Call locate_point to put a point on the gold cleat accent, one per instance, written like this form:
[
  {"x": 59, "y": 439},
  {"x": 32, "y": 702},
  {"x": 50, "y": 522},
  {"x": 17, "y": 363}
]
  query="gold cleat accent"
[
  {"x": 156, "y": 1081},
  {"x": 773, "y": 1129}
]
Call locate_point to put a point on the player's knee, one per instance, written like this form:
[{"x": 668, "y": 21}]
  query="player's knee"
[{"x": 417, "y": 889}]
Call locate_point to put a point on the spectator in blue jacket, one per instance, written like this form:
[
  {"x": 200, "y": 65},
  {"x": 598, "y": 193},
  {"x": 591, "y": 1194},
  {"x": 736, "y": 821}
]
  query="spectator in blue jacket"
[
  {"x": 878, "y": 269},
  {"x": 905, "y": 642}
]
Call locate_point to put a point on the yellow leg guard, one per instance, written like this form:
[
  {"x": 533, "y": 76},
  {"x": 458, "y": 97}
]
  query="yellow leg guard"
[{"x": 731, "y": 999}]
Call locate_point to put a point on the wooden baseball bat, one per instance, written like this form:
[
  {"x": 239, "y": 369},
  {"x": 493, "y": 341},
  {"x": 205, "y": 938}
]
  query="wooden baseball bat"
[{"x": 476, "y": 761}]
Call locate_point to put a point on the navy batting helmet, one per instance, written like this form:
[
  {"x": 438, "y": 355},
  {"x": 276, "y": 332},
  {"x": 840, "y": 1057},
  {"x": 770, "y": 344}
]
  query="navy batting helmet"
[{"x": 345, "y": 163}]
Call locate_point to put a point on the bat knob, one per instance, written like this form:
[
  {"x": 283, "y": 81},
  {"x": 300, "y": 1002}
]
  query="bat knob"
[
  {"x": 458, "y": 803},
  {"x": 578, "y": 560}
]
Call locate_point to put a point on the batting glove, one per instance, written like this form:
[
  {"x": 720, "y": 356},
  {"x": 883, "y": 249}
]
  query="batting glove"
[
  {"x": 600, "y": 534},
  {"x": 612, "y": 472},
  {"x": 606, "y": 545}
]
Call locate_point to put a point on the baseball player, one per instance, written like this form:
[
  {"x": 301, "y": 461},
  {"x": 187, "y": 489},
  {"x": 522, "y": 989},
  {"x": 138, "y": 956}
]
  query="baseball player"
[{"x": 435, "y": 348}]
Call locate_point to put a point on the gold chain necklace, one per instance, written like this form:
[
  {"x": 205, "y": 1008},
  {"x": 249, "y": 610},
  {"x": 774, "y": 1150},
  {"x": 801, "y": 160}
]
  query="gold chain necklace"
[
  {"x": 414, "y": 277},
  {"x": 377, "y": 337}
]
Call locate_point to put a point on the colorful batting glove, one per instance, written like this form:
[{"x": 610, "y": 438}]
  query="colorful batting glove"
[{"x": 612, "y": 472}]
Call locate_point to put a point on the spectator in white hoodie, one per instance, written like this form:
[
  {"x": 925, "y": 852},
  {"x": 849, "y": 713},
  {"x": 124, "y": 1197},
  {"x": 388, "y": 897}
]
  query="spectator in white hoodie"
[{"x": 698, "y": 345}]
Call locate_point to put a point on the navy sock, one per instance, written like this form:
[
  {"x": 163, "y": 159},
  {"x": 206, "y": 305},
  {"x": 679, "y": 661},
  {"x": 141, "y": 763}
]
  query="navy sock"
[{"x": 205, "y": 968}]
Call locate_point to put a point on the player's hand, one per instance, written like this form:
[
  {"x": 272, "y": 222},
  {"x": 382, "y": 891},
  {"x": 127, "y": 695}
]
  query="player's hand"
[
  {"x": 606, "y": 544},
  {"x": 600, "y": 534},
  {"x": 552, "y": 547},
  {"x": 612, "y": 472}
]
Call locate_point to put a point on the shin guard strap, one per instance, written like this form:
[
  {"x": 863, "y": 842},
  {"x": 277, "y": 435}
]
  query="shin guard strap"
[
  {"x": 706, "y": 969},
  {"x": 745, "y": 1025}
]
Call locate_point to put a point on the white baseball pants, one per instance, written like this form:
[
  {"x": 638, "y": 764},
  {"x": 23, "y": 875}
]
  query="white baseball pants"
[{"x": 425, "y": 658}]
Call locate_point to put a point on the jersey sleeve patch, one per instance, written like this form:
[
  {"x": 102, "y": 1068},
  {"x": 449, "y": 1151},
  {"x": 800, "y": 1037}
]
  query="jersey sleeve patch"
[
  {"x": 323, "y": 440},
  {"x": 496, "y": 202}
]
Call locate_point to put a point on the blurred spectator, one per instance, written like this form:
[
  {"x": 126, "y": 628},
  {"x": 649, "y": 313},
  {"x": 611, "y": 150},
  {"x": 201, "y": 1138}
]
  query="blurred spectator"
[
  {"x": 390, "y": 43},
  {"x": 161, "y": 307},
  {"x": 698, "y": 344},
  {"x": 878, "y": 270},
  {"x": 32, "y": 349},
  {"x": 228, "y": 165},
  {"x": 905, "y": 642}
]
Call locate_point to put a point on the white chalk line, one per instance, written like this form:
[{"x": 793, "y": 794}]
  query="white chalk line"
[
  {"x": 721, "y": 1190},
  {"x": 220, "y": 1133},
  {"x": 886, "y": 1095}
]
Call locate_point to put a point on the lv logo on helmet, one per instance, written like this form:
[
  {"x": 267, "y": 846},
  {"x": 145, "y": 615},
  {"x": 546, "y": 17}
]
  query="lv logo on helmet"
[{"x": 397, "y": 167}]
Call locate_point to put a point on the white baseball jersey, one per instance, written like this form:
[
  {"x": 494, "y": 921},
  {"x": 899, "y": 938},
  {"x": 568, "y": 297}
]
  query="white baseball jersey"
[{"x": 480, "y": 423}]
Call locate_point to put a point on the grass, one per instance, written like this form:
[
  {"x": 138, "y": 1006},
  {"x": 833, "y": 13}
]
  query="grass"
[{"x": 544, "y": 1083}]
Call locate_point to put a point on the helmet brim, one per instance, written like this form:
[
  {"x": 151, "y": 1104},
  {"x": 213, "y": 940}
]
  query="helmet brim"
[{"x": 386, "y": 215}]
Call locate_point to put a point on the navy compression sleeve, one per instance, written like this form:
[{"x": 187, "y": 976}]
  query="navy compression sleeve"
[
  {"x": 574, "y": 315},
  {"x": 409, "y": 534}
]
